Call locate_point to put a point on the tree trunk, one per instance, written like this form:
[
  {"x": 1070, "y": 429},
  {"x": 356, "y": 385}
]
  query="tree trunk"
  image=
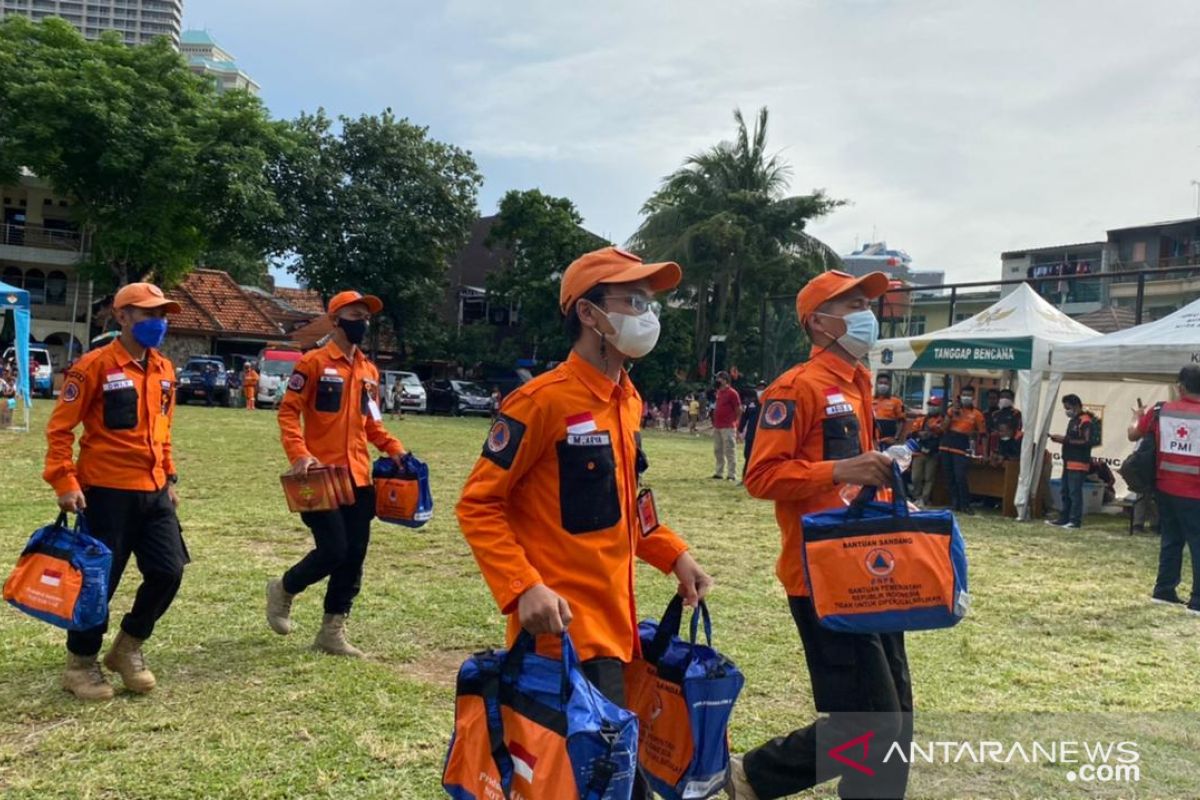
[{"x": 700, "y": 344}]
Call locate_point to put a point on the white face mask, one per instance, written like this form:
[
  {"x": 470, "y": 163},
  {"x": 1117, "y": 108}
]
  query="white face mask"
[
  {"x": 968, "y": 402},
  {"x": 634, "y": 334},
  {"x": 1005, "y": 402}
]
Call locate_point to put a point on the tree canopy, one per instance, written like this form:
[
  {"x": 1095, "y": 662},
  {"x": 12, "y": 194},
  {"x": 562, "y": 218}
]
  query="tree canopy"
[
  {"x": 160, "y": 167},
  {"x": 381, "y": 207},
  {"x": 725, "y": 215}
]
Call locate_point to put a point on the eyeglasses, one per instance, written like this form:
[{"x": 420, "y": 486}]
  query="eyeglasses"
[{"x": 639, "y": 303}]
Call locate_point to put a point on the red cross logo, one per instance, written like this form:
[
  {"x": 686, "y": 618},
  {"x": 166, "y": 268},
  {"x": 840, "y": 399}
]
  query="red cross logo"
[{"x": 1182, "y": 432}]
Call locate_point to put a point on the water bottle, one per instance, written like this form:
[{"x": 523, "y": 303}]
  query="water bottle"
[{"x": 900, "y": 453}]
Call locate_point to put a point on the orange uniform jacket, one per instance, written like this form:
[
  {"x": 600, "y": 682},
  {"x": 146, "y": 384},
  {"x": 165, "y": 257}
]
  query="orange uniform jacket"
[
  {"x": 553, "y": 500},
  {"x": 250, "y": 378},
  {"x": 338, "y": 400},
  {"x": 126, "y": 410},
  {"x": 961, "y": 425},
  {"x": 889, "y": 416},
  {"x": 812, "y": 415},
  {"x": 932, "y": 423}
]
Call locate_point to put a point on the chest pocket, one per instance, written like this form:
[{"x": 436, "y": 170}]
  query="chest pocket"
[
  {"x": 121, "y": 408},
  {"x": 365, "y": 403},
  {"x": 841, "y": 437},
  {"x": 329, "y": 393},
  {"x": 587, "y": 487}
]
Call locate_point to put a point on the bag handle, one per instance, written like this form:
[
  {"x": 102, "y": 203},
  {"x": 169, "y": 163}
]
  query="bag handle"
[
  {"x": 670, "y": 624},
  {"x": 867, "y": 494},
  {"x": 527, "y": 643},
  {"x": 490, "y": 693}
]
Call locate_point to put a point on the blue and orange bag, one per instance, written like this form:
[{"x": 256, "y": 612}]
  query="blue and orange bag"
[
  {"x": 683, "y": 693},
  {"x": 402, "y": 492},
  {"x": 879, "y": 567},
  {"x": 62, "y": 576},
  {"x": 533, "y": 727}
]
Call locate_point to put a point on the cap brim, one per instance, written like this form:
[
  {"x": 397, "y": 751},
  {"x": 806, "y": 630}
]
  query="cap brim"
[
  {"x": 170, "y": 306},
  {"x": 874, "y": 285},
  {"x": 373, "y": 304},
  {"x": 663, "y": 276}
]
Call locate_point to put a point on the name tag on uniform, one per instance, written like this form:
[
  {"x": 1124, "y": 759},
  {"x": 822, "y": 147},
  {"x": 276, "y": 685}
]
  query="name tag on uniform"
[
  {"x": 116, "y": 380},
  {"x": 647, "y": 512},
  {"x": 334, "y": 378},
  {"x": 373, "y": 409},
  {"x": 838, "y": 409},
  {"x": 589, "y": 439}
]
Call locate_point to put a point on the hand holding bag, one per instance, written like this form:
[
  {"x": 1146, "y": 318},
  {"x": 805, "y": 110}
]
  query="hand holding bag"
[
  {"x": 402, "y": 492},
  {"x": 62, "y": 576},
  {"x": 879, "y": 567}
]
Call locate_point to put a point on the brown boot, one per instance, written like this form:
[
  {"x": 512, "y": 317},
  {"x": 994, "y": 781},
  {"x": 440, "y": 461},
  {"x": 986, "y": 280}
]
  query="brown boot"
[
  {"x": 279, "y": 607},
  {"x": 84, "y": 678},
  {"x": 125, "y": 658},
  {"x": 738, "y": 786},
  {"x": 332, "y": 637}
]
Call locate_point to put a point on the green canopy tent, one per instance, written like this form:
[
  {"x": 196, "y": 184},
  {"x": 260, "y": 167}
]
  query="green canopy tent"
[{"x": 1013, "y": 335}]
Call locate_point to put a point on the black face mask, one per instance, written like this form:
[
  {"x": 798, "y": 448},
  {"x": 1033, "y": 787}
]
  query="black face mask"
[{"x": 355, "y": 329}]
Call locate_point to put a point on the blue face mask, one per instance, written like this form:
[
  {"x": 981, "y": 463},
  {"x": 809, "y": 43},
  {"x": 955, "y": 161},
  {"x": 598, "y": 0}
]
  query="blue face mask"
[
  {"x": 862, "y": 332},
  {"x": 150, "y": 332}
]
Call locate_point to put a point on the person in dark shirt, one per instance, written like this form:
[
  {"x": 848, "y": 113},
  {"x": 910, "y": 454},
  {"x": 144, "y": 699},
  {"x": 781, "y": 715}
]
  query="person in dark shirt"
[
  {"x": 1008, "y": 444},
  {"x": 749, "y": 422}
]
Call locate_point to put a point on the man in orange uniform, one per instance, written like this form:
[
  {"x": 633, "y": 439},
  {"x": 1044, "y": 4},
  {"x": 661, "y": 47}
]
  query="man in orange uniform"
[
  {"x": 552, "y": 510},
  {"x": 927, "y": 430},
  {"x": 889, "y": 412},
  {"x": 815, "y": 433},
  {"x": 334, "y": 391},
  {"x": 250, "y": 384},
  {"x": 123, "y": 481},
  {"x": 963, "y": 423}
]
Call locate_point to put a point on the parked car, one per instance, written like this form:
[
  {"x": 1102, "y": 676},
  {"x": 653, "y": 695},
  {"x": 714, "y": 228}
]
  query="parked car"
[
  {"x": 275, "y": 367},
  {"x": 412, "y": 394},
  {"x": 41, "y": 381},
  {"x": 458, "y": 398},
  {"x": 191, "y": 383}
]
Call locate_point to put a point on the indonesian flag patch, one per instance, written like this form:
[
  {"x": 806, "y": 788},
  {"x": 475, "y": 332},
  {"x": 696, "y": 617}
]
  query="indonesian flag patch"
[
  {"x": 835, "y": 403},
  {"x": 524, "y": 761},
  {"x": 581, "y": 423},
  {"x": 51, "y": 577}
]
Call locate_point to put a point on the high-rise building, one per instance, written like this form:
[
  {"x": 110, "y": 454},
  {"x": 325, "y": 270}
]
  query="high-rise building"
[
  {"x": 139, "y": 21},
  {"x": 207, "y": 58}
]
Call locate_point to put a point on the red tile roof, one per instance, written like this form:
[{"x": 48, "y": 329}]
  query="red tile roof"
[
  {"x": 306, "y": 301},
  {"x": 214, "y": 305}
]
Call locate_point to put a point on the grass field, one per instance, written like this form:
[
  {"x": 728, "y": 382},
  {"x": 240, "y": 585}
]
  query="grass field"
[{"x": 1060, "y": 622}]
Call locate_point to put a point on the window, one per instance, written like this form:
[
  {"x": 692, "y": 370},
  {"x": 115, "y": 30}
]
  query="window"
[
  {"x": 916, "y": 325},
  {"x": 959, "y": 316},
  {"x": 14, "y": 277},
  {"x": 1138, "y": 252},
  {"x": 56, "y": 289},
  {"x": 35, "y": 284}
]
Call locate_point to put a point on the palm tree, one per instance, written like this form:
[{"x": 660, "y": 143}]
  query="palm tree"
[{"x": 726, "y": 216}]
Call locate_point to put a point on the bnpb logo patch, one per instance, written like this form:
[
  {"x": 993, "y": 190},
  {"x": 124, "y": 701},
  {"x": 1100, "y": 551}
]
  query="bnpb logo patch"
[
  {"x": 880, "y": 562},
  {"x": 297, "y": 381},
  {"x": 778, "y": 414},
  {"x": 70, "y": 392},
  {"x": 499, "y": 436}
]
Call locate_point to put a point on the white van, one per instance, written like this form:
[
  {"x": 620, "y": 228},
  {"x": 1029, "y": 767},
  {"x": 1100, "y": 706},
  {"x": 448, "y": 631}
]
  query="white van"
[
  {"x": 275, "y": 367},
  {"x": 412, "y": 393},
  {"x": 42, "y": 380}
]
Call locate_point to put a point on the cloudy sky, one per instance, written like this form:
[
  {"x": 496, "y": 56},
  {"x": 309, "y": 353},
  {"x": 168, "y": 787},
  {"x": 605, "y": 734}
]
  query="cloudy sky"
[{"x": 956, "y": 128}]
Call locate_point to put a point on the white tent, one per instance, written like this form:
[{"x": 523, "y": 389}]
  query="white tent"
[
  {"x": 1017, "y": 333},
  {"x": 1156, "y": 348},
  {"x": 1152, "y": 352}
]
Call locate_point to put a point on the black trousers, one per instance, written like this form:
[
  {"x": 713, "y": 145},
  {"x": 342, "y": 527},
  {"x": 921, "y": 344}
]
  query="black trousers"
[
  {"x": 142, "y": 524},
  {"x": 1179, "y": 524},
  {"x": 954, "y": 467},
  {"x": 857, "y": 673},
  {"x": 608, "y": 675},
  {"x": 341, "y": 538}
]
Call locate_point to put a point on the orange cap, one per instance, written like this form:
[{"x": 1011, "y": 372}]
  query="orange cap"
[
  {"x": 343, "y": 299},
  {"x": 613, "y": 265},
  {"x": 144, "y": 295},
  {"x": 829, "y": 285}
]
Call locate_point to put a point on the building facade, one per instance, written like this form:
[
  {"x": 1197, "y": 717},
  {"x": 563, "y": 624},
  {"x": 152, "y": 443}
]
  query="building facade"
[
  {"x": 1161, "y": 245},
  {"x": 208, "y": 59},
  {"x": 138, "y": 21},
  {"x": 40, "y": 251}
]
